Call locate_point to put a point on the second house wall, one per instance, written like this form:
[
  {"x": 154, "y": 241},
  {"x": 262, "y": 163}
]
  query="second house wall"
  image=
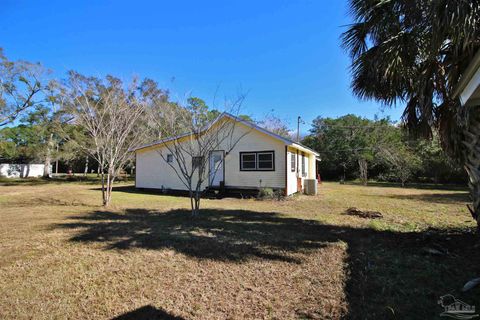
[
  {"x": 291, "y": 175},
  {"x": 310, "y": 168}
]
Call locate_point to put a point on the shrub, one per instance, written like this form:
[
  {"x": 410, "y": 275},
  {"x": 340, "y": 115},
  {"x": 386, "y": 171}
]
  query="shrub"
[
  {"x": 265, "y": 193},
  {"x": 269, "y": 193}
]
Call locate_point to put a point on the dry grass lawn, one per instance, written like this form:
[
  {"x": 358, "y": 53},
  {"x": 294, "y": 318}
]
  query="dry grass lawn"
[{"x": 65, "y": 257}]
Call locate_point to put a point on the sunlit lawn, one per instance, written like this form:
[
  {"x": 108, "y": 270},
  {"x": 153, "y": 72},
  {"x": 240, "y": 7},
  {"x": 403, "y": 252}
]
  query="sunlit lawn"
[{"x": 64, "y": 256}]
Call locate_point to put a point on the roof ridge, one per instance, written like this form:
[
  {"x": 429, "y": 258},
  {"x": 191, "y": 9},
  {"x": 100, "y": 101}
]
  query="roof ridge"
[{"x": 236, "y": 118}]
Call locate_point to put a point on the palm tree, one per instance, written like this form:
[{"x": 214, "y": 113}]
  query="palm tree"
[{"x": 413, "y": 53}]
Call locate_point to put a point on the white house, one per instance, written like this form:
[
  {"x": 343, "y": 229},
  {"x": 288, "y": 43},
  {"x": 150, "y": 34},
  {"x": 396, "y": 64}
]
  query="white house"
[
  {"x": 260, "y": 159},
  {"x": 468, "y": 89}
]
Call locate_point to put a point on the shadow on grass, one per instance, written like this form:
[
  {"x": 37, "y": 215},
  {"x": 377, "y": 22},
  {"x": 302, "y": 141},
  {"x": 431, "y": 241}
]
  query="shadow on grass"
[
  {"x": 230, "y": 235},
  {"x": 132, "y": 189},
  {"x": 147, "y": 313},
  {"x": 390, "y": 275},
  {"x": 56, "y": 180},
  {"x": 239, "y": 194}
]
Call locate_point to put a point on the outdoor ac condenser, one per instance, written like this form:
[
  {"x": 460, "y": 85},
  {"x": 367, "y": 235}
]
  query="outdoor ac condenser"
[{"x": 310, "y": 186}]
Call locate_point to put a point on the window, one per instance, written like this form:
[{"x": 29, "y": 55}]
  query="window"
[
  {"x": 257, "y": 161},
  {"x": 265, "y": 161},
  {"x": 304, "y": 171},
  {"x": 248, "y": 161},
  {"x": 169, "y": 158},
  {"x": 196, "y": 162},
  {"x": 292, "y": 161}
]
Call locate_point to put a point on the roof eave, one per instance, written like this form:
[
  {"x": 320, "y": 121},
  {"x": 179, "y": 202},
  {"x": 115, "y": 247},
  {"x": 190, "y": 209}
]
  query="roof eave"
[
  {"x": 304, "y": 148},
  {"x": 467, "y": 75}
]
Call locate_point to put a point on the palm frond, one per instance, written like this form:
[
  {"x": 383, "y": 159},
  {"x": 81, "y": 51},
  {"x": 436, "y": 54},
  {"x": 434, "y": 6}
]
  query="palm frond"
[{"x": 413, "y": 51}]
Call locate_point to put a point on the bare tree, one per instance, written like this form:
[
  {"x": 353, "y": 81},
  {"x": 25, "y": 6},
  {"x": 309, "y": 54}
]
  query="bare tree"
[
  {"x": 188, "y": 135},
  {"x": 20, "y": 85},
  {"x": 276, "y": 125},
  {"x": 110, "y": 115},
  {"x": 402, "y": 161}
]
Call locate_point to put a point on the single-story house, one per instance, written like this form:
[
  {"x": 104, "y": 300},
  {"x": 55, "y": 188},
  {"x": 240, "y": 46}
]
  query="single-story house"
[
  {"x": 259, "y": 159},
  {"x": 468, "y": 88}
]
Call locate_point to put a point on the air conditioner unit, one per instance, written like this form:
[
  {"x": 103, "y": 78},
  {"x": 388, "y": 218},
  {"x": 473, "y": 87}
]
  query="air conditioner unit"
[{"x": 310, "y": 186}]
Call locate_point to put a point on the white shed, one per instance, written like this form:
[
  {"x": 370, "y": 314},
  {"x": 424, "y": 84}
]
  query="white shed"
[{"x": 11, "y": 170}]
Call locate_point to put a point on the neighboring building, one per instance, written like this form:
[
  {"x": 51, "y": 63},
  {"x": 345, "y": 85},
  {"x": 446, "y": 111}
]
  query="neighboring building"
[
  {"x": 468, "y": 89},
  {"x": 259, "y": 159},
  {"x": 10, "y": 170}
]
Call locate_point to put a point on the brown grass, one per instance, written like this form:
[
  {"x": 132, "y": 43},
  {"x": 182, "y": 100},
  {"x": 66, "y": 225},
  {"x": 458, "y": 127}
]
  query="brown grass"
[{"x": 63, "y": 256}]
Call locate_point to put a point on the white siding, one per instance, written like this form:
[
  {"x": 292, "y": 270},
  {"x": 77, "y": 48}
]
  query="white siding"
[
  {"x": 154, "y": 172},
  {"x": 471, "y": 92},
  {"x": 291, "y": 176},
  {"x": 312, "y": 164},
  {"x": 255, "y": 141},
  {"x": 310, "y": 169}
]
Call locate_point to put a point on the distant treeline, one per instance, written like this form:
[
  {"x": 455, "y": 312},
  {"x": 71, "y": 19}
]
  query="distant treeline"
[{"x": 352, "y": 147}]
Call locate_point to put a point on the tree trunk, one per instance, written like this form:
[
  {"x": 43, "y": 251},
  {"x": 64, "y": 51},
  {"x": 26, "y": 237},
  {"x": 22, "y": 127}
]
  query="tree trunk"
[
  {"x": 197, "y": 203},
  {"x": 48, "y": 157},
  {"x": 195, "y": 196},
  {"x": 363, "y": 165},
  {"x": 107, "y": 189},
  {"x": 86, "y": 166},
  {"x": 472, "y": 163},
  {"x": 104, "y": 198}
]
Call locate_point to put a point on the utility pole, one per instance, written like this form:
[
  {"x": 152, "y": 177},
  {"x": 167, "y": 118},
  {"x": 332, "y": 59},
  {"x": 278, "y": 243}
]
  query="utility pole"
[
  {"x": 298, "y": 128},
  {"x": 299, "y": 120}
]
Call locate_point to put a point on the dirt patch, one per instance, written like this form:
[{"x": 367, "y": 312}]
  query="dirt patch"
[{"x": 363, "y": 214}]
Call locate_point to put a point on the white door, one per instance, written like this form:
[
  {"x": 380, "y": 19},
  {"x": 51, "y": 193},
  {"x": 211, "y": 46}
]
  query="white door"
[{"x": 216, "y": 168}]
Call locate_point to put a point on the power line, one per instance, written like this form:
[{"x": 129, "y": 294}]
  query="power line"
[{"x": 354, "y": 127}]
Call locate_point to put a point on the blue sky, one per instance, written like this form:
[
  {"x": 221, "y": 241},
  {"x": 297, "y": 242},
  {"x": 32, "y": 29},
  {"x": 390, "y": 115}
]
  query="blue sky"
[{"x": 285, "y": 54}]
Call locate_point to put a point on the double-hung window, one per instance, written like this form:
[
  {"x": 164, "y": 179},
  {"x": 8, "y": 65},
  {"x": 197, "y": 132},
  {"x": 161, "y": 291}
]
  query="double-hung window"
[
  {"x": 248, "y": 161},
  {"x": 257, "y": 161},
  {"x": 265, "y": 161}
]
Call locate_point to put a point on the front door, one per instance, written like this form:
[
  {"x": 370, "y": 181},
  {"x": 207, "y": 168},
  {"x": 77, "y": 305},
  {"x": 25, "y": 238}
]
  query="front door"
[{"x": 216, "y": 171}]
